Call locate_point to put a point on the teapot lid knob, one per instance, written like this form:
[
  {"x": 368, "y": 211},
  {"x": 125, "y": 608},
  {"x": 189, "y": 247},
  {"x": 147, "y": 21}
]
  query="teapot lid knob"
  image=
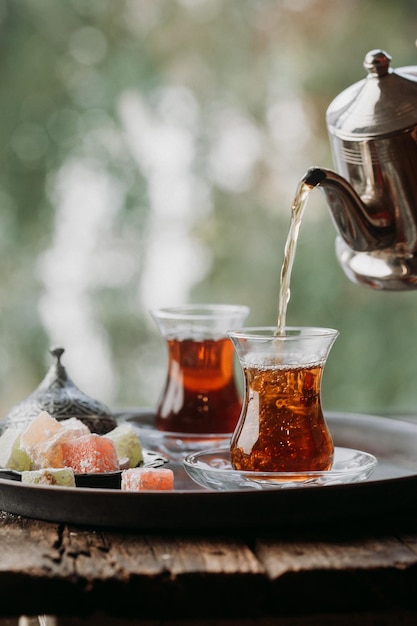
[
  {"x": 383, "y": 103},
  {"x": 377, "y": 62}
]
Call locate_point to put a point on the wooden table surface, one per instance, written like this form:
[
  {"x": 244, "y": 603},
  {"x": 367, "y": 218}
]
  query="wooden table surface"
[{"x": 362, "y": 574}]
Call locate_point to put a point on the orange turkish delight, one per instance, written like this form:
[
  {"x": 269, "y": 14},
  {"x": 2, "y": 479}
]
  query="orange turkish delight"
[
  {"x": 90, "y": 454},
  {"x": 141, "y": 478}
]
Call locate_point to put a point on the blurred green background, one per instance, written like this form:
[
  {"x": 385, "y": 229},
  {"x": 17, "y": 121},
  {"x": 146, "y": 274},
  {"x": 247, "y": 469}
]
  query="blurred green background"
[{"x": 150, "y": 152}]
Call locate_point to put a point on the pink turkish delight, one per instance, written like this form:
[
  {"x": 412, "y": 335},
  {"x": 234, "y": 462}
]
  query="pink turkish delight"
[
  {"x": 90, "y": 454},
  {"x": 141, "y": 478}
]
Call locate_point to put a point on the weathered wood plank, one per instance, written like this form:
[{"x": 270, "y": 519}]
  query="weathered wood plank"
[
  {"x": 62, "y": 570},
  {"x": 342, "y": 573},
  {"x": 121, "y": 573},
  {"x": 35, "y": 544},
  {"x": 295, "y": 555},
  {"x": 177, "y": 575}
]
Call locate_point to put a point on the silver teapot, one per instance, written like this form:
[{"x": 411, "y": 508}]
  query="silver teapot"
[{"x": 372, "y": 196}]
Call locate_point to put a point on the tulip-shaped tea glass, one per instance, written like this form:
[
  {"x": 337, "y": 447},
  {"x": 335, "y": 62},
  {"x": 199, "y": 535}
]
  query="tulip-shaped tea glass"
[
  {"x": 282, "y": 427},
  {"x": 200, "y": 394}
]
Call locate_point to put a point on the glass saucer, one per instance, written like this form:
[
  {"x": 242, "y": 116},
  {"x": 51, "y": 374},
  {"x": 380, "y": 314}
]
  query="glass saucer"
[
  {"x": 212, "y": 469},
  {"x": 174, "y": 445}
]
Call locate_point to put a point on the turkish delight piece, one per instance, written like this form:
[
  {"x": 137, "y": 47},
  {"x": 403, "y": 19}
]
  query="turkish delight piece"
[
  {"x": 147, "y": 478},
  {"x": 44, "y": 436},
  {"x": 49, "y": 453},
  {"x": 90, "y": 454},
  {"x": 74, "y": 427},
  {"x": 127, "y": 443},
  {"x": 42, "y": 427},
  {"x": 64, "y": 477},
  {"x": 11, "y": 454}
]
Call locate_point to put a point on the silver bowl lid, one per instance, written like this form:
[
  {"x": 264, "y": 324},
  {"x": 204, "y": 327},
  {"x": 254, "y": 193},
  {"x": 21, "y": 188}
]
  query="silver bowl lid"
[{"x": 61, "y": 398}]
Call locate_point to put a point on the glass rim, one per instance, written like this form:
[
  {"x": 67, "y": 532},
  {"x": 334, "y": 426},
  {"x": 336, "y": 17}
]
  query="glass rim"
[
  {"x": 294, "y": 333},
  {"x": 200, "y": 311}
]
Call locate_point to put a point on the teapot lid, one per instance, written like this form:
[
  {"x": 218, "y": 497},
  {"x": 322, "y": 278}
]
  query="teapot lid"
[
  {"x": 61, "y": 398},
  {"x": 384, "y": 102}
]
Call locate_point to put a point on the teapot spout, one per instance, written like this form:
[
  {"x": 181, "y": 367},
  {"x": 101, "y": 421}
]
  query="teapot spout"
[{"x": 363, "y": 227}]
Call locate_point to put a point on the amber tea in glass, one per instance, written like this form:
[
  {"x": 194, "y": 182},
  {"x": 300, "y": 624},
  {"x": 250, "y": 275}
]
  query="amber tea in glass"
[
  {"x": 200, "y": 393},
  {"x": 282, "y": 426}
]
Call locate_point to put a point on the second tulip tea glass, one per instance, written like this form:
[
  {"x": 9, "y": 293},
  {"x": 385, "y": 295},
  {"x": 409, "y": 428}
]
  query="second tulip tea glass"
[{"x": 200, "y": 393}]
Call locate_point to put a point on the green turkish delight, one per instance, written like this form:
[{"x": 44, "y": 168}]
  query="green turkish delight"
[
  {"x": 127, "y": 444},
  {"x": 63, "y": 477},
  {"x": 12, "y": 456}
]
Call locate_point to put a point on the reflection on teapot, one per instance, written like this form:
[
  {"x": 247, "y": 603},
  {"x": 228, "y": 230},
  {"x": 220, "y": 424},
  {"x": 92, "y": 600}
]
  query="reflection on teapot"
[{"x": 373, "y": 194}]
